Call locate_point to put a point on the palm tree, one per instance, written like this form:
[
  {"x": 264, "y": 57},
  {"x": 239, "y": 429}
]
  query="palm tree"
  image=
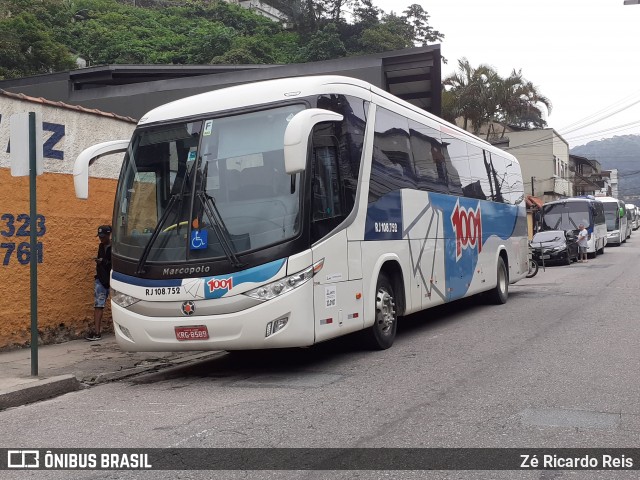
[
  {"x": 469, "y": 94},
  {"x": 480, "y": 96},
  {"x": 521, "y": 102}
]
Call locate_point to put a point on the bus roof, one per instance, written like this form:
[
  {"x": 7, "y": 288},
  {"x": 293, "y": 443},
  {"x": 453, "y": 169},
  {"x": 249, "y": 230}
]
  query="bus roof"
[
  {"x": 608, "y": 199},
  {"x": 572, "y": 199},
  {"x": 276, "y": 90}
]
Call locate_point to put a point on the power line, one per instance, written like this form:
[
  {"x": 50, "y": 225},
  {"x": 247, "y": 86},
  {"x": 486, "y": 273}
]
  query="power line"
[
  {"x": 626, "y": 107},
  {"x": 593, "y": 115}
]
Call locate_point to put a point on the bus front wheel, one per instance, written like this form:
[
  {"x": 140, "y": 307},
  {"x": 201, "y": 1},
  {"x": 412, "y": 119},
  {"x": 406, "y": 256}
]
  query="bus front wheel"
[
  {"x": 382, "y": 333},
  {"x": 500, "y": 293}
]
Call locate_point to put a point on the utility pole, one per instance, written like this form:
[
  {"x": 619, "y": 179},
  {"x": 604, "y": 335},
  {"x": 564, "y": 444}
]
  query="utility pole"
[
  {"x": 533, "y": 190},
  {"x": 26, "y": 159}
]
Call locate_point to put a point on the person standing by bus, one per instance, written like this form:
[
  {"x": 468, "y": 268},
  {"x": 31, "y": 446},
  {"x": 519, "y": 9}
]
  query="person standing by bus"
[
  {"x": 102, "y": 280},
  {"x": 582, "y": 243}
]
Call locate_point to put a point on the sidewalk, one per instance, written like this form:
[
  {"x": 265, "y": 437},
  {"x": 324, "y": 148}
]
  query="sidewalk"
[{"x": 77, "y": 364}]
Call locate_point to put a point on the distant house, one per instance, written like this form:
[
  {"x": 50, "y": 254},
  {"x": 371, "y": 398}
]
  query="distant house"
[
  {"x": 587, "y": 176},
  {"x": 261, "y": 8}
]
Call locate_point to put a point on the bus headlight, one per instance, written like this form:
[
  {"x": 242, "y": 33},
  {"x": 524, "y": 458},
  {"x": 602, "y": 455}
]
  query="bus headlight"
[
  {"x": 286, "y": 284},
  {"x": 123, "y": 300}
]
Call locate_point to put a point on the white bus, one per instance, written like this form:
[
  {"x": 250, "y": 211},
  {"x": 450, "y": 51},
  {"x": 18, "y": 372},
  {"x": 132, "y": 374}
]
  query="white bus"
[
  {"x": 616, "y": 218},
  {"x": 632, "y": 218},
  {"x": 292, "y": 211},
  {"x": 568, "y": 213}
]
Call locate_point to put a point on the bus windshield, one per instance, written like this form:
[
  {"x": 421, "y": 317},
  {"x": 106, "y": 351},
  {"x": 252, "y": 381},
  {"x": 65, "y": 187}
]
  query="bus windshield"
[
  {"x": 211, "y": 188},
  {"x": 611, "y": 214},
  {"x": 566, "y": 216}
]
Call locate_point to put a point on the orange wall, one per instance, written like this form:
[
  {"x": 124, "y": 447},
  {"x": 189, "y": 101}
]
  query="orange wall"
[{"x": 65, "y": 276}]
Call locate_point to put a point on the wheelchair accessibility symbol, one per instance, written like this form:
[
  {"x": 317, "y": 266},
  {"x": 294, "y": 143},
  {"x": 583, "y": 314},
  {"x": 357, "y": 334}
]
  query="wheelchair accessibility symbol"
[{"x": 199, "y": 239}]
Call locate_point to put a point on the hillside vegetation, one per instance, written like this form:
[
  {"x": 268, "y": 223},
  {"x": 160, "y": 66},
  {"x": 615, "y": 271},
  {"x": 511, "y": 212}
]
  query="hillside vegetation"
[{"x": 45, "y": 36}]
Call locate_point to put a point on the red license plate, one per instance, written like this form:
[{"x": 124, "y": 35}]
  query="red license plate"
[{"x": 198, "y": 332}]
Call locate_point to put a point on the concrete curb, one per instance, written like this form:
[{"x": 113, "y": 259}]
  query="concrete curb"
[
  {"x": 107, "y": 377},
  {"x": 38, "y": 390}
]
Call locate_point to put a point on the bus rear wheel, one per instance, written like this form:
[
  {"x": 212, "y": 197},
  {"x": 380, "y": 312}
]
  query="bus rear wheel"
[
  {"x": 382, "y": 333},
  {"x": 500, "y": 293}
]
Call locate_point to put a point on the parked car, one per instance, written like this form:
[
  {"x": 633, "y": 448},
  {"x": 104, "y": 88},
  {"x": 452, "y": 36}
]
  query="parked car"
[{"x": 555, "y": 246}]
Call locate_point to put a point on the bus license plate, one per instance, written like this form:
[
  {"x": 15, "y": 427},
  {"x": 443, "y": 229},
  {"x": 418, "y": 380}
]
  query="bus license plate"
[{"x": 198, "y": 332}]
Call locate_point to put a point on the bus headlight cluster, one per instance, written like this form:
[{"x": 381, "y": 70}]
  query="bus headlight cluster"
[
  {"x": 122, "y": 299},
  {"x": 286, "y": 284}
]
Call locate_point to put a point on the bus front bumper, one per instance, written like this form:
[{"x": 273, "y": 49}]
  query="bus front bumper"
[
  {"x": 613, "y": 237},
  {"x": 243, "y": 330}
]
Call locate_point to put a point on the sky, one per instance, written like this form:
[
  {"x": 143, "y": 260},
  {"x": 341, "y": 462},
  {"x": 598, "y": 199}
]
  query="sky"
[{"x": 584, "y": 55}]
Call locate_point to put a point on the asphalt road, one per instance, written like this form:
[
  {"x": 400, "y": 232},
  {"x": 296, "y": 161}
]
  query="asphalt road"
[{"x": 554, "y": 367}]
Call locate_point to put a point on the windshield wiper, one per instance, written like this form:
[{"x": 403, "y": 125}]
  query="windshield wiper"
[
  {"x": 156, "y": 232},
  {"x": 162, "y": 221},
  {"x": 215, "y": 219},
  {"x": 218, "y": 226}
]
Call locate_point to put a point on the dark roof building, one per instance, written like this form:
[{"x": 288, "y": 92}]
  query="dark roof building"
[{"x": 413, "y": 74}]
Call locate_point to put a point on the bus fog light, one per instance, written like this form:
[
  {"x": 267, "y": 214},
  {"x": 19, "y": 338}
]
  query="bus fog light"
[
  {"x": 276, "y": 326},
  {"x": 122, "y": 299},
  {"x": 279, "y": 324},
  {"x": 125, "y": 331}
]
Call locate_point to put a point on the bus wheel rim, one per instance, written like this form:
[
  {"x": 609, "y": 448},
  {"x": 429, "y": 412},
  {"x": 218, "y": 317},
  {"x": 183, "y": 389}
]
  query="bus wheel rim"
[
  {"x": 502, "y": 280},
  {"x": 385, "y": 311}
]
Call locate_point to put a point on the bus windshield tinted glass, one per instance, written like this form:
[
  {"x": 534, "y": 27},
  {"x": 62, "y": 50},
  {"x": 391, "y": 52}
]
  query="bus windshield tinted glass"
[
  {"x": 566, "y": 216},
  {"x": 175, "y": 175},
  {"x": 611, "y": 215}
]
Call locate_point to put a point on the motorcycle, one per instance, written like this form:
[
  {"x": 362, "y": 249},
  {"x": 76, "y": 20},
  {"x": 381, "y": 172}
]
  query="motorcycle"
[{"x": 533, "y": 268}]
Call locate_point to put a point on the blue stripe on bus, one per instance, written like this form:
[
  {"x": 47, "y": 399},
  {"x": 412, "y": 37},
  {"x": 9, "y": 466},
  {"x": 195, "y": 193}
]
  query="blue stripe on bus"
[
  {"x": 145, "y": 282},
  {"x": 221, "y": 284}
]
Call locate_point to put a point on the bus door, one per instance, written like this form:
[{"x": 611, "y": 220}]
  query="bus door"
[{"x": 338, "y": 302}]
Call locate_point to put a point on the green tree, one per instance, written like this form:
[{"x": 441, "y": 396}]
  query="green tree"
[
  {"x": 521, "y": 102},
  {"x": 325, "y": 44},
  {"x": 479, "y": 95},
  {"x": 28, "y": 48},
  {"x": 391, "y": 33},
  {"x": 470, "y": 95},
  {"x": 418, "y": 20}
]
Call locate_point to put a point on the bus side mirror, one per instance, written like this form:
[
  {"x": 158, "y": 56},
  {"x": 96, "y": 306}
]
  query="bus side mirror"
[
  {"x": 621, "y": 212},
  {"x": 296, "y": 136},
  {"x": 87, "y": 157}
]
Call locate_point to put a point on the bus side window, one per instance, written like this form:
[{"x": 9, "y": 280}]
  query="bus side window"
[
  {"x": 392, "y": 163},
  {"x": 326, "y": 185},
  {"x": 326, "y": 191},
  {"x": 457, "y": 161},
  {"x": 480, "y": 187},
  {"x": 428, "y": 159}
]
